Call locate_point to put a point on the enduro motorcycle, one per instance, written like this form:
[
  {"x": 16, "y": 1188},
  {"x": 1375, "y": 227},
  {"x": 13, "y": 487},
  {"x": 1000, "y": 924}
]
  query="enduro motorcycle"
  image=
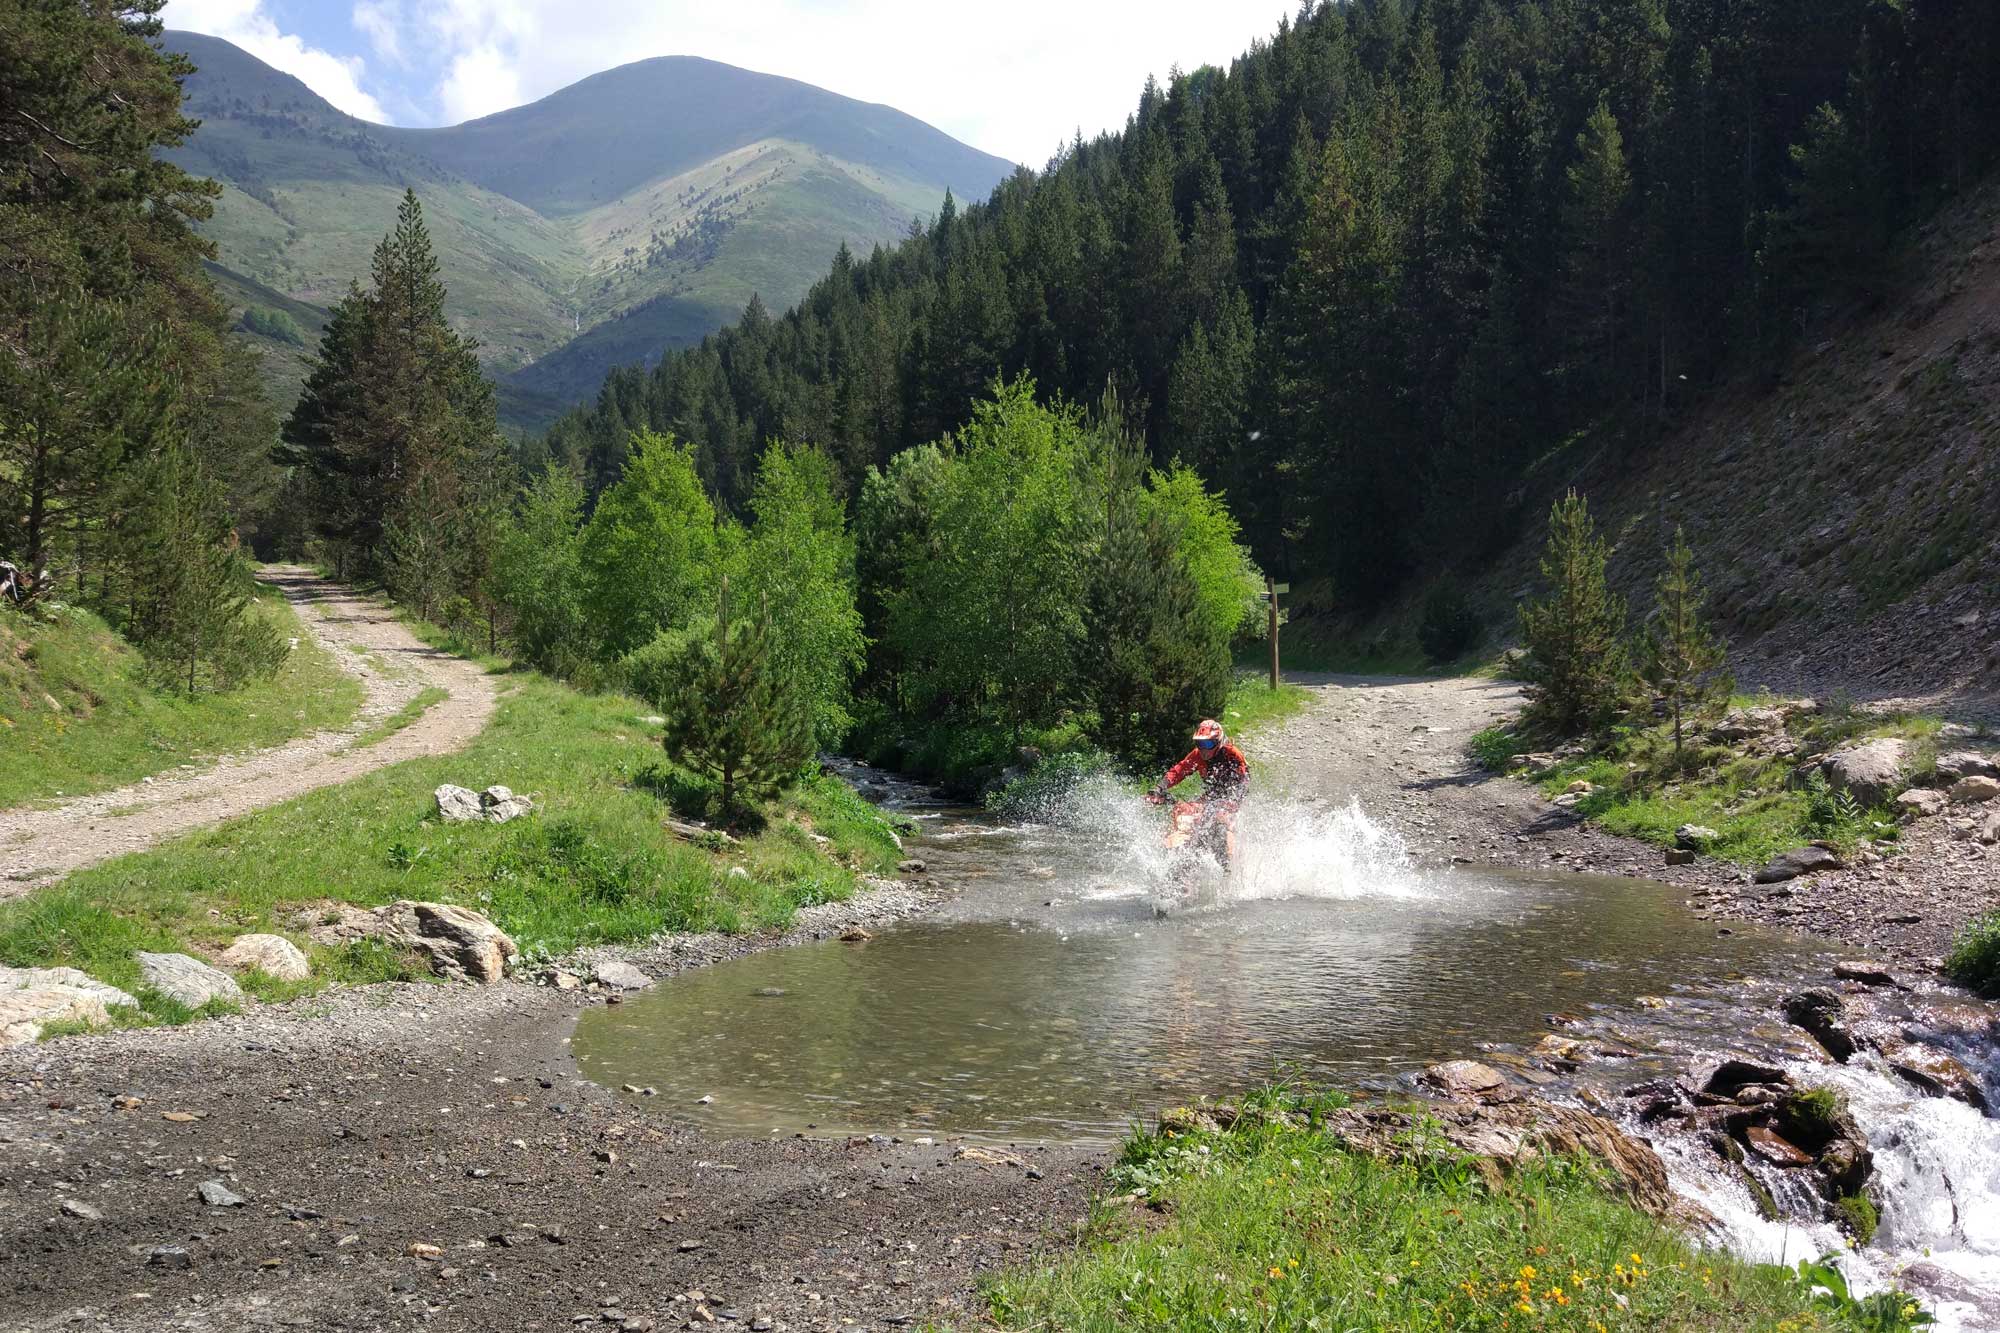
[{"x": 1200, "y": 846}]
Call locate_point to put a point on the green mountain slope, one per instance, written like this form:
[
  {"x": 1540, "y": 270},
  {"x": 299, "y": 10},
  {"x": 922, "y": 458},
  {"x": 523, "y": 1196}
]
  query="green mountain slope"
[{"x": 632, "y": 212}]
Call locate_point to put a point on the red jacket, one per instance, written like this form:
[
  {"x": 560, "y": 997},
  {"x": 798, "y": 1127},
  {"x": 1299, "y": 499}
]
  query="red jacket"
[{"x": 1224, "y": 771}]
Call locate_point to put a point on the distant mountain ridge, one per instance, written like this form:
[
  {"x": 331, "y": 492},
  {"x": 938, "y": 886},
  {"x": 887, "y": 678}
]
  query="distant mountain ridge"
[{"x": 633, "y": 211}]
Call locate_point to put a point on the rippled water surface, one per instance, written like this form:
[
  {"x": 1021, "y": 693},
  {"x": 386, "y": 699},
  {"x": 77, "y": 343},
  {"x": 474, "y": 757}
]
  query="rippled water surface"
[{"x": 1047, "y": 1001}]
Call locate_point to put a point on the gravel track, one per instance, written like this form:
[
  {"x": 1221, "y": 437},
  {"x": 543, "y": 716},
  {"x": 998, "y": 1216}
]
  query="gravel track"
[{"x": 365, "y": 638}]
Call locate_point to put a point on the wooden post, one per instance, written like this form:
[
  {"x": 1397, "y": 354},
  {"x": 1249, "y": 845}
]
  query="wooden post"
[{"x": 1271, "y": 595}]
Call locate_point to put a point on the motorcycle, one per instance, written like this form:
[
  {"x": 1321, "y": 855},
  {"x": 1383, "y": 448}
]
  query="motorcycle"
[{"x": 1199, "y": 846}]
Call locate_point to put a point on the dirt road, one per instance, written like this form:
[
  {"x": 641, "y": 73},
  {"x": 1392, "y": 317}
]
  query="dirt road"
[{"x": 41, "y": 845}]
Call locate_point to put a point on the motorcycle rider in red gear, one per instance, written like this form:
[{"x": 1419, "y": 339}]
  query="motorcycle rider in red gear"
[{"x": 1225, "y": 773}]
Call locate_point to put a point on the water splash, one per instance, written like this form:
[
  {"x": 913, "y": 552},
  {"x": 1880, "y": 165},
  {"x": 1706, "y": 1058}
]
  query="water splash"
[{"x": 1293, "y": 849}]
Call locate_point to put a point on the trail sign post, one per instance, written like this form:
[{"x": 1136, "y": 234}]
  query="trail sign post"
[{"x": 1271, "y": 592}]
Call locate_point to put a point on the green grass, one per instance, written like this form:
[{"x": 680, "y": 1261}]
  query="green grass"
[
  {"x": 1974, "y": 961},
  {"x": 593, "y": 864},
  {"x": 1274, "y": 1225},
  {"x": 1759, "y": 806},
  {"x": 1254, "y": 705},
  {"x": 78, "y": 714}
]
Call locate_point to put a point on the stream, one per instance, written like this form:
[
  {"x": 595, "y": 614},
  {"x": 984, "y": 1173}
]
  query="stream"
[{"x": 1047, "y": 1002}]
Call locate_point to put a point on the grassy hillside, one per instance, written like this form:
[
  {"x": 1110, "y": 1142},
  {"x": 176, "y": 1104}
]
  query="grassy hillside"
[
  {"x": 77, "y": 714},
  {"x": 650, "y": 201}
]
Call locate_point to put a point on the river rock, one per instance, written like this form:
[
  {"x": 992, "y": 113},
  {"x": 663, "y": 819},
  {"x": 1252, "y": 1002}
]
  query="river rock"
[
  {"x": 618, "y": 974},
  {"x": 186, "y": 980},
  {"x": 1864, "y": 970},
  {"x": 1967, "y": 764},
  {"x": 1732, "y": 1076},
  {"x": 1801, "y": 861},
  {"x": 1680, "y": 856},
  {"x": 218, "y": 1195},
  {"x": 498, "y": 804},
  {"x": 1466, "y": 1080},
  {"x": 1872, "y": 772},
  {"x": 1694, "y": 837},
  {"x": 458, "y": 805},
  {"x": 1920, "y": 803},
  {"x": 1773, "y": 1148},
  {"x": 1822, "y": 1014},
  {"x": 1975, "y": 789},
  {"x": 273, "y": 955},
  {"x": 35, "y": 978},
  {"x": 1935, "y": 1073},
  {"x": 1988, "y": 833},
  {"x": 24, "y": 1012}
]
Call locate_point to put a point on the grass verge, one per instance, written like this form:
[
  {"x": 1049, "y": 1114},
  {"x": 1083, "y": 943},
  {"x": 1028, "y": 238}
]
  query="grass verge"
[
  {"x": 1974, "y": 961},
  {"x": 427, "y": 698},
  {"x": 1760, "y": 800},
  {"x": 1274, "y": 1225},
  {"x": 593, "y": 863},
  {"x": 78, "y": 714}
]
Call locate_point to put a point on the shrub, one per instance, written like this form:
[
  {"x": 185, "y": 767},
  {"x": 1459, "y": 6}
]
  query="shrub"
[
  {"x": 1830, "y": 814},
  {"x": 1449, "y": 626},
  {"x": 1494, "y": 748},
  {"x": 1577, "y": 666},
  {"x": 1974, "y": 962}
]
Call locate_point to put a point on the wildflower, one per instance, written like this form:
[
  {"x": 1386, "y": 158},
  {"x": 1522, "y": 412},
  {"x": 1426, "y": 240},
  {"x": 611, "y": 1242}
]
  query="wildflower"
[
  {"x": 1276, "y": 1271},
  {"x": 1525, "y": 1306},
  {"x": 1637, "y": 1261},
  {"x": 1528, "y": 1271}
]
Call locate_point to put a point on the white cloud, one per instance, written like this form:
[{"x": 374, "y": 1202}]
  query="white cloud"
[
  {"x": 336, "y": 78},
  {"x": 380, "y": 21},
  {"x": 1014, "y": 80}
]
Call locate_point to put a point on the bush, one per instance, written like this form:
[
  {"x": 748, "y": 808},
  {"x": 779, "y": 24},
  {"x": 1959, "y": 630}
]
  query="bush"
[
  {"x": 1830, "y": 814},
  {"x": 1449, "y": 626},
  {"x": 1494, "y": 748},
  {"x": 1974, "y": 962}
]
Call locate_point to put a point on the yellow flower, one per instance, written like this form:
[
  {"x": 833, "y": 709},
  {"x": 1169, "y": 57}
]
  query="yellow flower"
[
  {"x": 1525, "y": 1307},
  {"x": 1276, "y": 1271},
  {"x": 1528, "y": 1271},
  {"x": 1637, "y": 1260}
]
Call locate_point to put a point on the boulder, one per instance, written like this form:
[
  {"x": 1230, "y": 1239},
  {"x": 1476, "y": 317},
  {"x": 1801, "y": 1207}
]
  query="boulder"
[
  {"x": 1822, "y": 1014},
  {"x": 1680, "y": 856},
  {"x": 617, "y": 974},
  {"x": 1775, "y": 1149},
  {"x": 1920, "y": 803},
  {"x": 25, "y": 1011},
  {"x": 461, "y": 943},
  {"x": 273, "y": 955},
  {"x": 35, "y": 978},
  {"x": 1872, "y": 772},
  {"x": 1864, "y": 970},
  {"x": 1967, "y": 764},
  {"x": 1935, "y": 1073},
  {"x": 1988, "y": 833},
  {"x": 458, "y": 805},
  {"x": 1741, "y": 724},
  {"x": 186, "y": 980},
  {"x": 1802, "y": 861},
  {"x": 500, "y": 804},
  {"x": 1975, "y": 789},
  {"x": 1694, "y": 837},
  {"x": 1732, "y": 1076},
  {"x": 1466, "y": 1080}
]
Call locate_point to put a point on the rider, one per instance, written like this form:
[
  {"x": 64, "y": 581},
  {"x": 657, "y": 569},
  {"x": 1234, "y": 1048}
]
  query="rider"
[{"x": 1225, "y": 773}]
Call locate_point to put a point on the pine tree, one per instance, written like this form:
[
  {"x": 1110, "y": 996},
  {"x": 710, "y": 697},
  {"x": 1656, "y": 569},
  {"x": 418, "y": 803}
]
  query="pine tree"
[
  {"x": 1681, "y": 658},
  {"x": 1595, "y": 272},
  {"x": 729, "y": 716},
  {"x": 1577, "y": 666}
]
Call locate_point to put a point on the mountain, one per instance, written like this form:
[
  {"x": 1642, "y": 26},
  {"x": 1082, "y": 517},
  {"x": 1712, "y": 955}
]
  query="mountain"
[{"x": 629, "y": 213}]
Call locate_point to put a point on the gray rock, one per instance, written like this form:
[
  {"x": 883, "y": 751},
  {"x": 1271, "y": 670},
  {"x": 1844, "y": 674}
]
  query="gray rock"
[
  {"x": 169, "y": 1256},
  {"x": 1694, "y": 837},
  {"x": 1920, "y": 803},
  {"x": 620, "y": 975},
  {"x": 1803, "y": 861},
  {"x": 1680, "y": 856},
  {"x": 273, "y": 955},
  {"x": 1975, "y": 789},
  {"x": 1967, "y": 764},
  {"x": 1824, "y": 1015},
  {"x": 462, "y": 944},
  {"x": 82, "y": 1211},
  {"x": 500, "y": 804},
  {"x": 457, "y": 805},
  {"x": 1989, "y": 832},
  {"x": 186, "y": 980},
  {"x": 218, "y": 1195},
  {"x": 1872, "y": 772},
  {"x": 1740, "y": 724},
  {"x": 34, "y": 978},
  {"x": 1466, "y": 1080}
]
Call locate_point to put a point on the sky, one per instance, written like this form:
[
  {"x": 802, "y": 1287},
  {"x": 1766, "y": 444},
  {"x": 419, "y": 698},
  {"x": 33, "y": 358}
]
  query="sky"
[{"x": 1015, "y": 80}]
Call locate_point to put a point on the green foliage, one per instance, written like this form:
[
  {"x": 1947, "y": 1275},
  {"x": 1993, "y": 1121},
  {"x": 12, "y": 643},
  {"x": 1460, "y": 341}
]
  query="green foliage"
[
  {"x": 1228, "y": 586},
  {"x": 731, "y": 715},
  {"x": 1449, "y": 626},
  {"x": 1494, "y": 748},
  {"x": 1576, "y": 666},
  {"x": 1680, "y": 657},
  {"x": 1043, "y": 794},
  {"x": 1277, "y": 1217},
  {"x": 273, "y": 324},
  {"x": 1830, "y": 814},
  {"x": 1974, "y": 961},
  {"x": 649, "y": 552},
  {"x": 798, "y": 564},
  {"x": 1890, "y": 1311},
  {"x": 539, "y": 573}
]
